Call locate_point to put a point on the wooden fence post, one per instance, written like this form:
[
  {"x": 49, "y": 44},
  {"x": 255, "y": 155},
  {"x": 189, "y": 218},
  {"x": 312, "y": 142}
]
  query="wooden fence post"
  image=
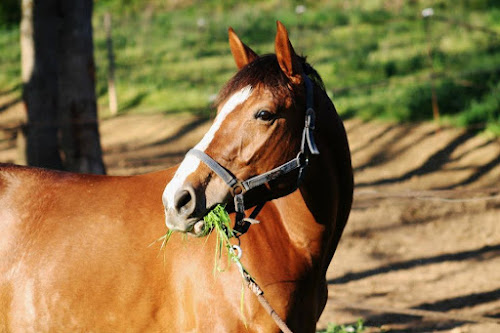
[
  {"x": 113, "y": 100},
  {"x": 427, "y": 14}
]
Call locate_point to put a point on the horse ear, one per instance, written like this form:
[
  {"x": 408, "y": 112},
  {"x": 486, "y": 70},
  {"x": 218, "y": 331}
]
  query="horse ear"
[
  {"x": 242, "y": 54},
  {"x": 287, "y": 59}
]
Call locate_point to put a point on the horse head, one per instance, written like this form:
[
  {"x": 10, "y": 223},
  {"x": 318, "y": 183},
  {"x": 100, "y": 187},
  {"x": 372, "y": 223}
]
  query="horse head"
[{"x": 258, "y": 127}]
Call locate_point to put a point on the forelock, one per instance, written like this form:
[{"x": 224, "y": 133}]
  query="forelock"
[{"x": 264, "y": 70}]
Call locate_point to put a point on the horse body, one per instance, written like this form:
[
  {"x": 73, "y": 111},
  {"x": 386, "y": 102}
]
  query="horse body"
[
  {"x": 75, "y": 250},
  {"x": 76, "y": 253}
]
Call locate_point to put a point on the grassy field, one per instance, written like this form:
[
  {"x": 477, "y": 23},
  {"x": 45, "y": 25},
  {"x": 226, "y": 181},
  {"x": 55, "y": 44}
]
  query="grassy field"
[{"x": 376, "y": 57}]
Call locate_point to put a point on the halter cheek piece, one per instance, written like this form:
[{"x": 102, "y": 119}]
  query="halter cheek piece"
[{"x": 238, "y": 187}]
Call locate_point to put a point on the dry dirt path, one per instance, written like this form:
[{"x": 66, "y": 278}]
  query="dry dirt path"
[
  {"x": 424, "y": 232},
  {"x": 421, "y": 252}
]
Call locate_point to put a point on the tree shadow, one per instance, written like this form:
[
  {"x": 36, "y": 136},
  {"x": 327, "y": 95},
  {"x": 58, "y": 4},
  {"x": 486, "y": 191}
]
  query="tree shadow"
[
  {"x": 418, "y": 327},
  {"x": 440, "y": 306},
  {"x": 470, "y": 150},
  {"x": 352, "y": 128},
  {"x": 11, "y": 90},
  {"x": 179, "y": 134},
  {"x": 460, "y": 302},
  {"x": 199, "y": 121},
  {"x": 433, "y": 163},
  {"x": 458, "y": 256},
  {"x": 482, "y": 170},
  {"x": 152, "y": 154},
  {"x": 163, "y": 159},
  {"x": 382, "y": 156},
  {"x": 133, "y": 102},
  {"x": 374, "y": 138},
  {"x": 347, "y": 114},
  {"x": 10, "y": 103},
  {"x": 406, "y": 221}
]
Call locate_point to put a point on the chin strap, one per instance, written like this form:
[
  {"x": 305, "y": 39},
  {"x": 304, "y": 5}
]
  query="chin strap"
[{"x": 238, "y": 188}]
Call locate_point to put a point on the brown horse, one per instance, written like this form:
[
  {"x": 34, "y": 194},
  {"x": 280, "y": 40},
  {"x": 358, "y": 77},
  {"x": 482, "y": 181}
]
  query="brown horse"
[{"x": 75, "y": 250}]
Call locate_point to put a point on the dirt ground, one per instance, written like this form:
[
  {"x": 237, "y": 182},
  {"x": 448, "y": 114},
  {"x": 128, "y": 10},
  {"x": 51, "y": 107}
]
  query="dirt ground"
[{"x": 421, "y": 252}]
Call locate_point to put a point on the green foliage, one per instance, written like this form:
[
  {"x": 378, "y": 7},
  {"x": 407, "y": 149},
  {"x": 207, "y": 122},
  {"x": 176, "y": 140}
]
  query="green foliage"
[
  {"x": 218, "y": 221},
  {"x": 485, "y": 110},
  {"x": 10, "y": 12},
  {"x": 10, "y": 59},
  {"x": 358, "y": 327},
  {"x": 373, "y": 55}
]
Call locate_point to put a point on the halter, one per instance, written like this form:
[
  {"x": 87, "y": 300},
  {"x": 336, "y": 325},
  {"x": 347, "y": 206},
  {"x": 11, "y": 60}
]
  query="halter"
[{"x": 239, "y": 188}]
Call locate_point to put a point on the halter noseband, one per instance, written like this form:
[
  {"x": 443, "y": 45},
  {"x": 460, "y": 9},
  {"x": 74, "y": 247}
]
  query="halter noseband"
[{"x": 238, "y": 187}]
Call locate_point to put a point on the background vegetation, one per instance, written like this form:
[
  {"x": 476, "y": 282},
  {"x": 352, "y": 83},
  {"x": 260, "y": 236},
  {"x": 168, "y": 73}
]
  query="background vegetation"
[{"x": 375, "y": 56}]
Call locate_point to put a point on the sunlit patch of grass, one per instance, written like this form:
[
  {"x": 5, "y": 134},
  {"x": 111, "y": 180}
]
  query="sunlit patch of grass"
[
  {"x": 173, "y": 57},
  {"x": 10, "y": 59}
]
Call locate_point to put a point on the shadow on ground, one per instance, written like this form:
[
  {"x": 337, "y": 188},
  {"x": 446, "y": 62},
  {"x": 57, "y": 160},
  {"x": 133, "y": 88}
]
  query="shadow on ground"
[{"x": 477, "y": 254}]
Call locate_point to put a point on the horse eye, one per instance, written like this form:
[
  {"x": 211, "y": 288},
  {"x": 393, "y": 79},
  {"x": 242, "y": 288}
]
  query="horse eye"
[{"x": 264, "y": 115}]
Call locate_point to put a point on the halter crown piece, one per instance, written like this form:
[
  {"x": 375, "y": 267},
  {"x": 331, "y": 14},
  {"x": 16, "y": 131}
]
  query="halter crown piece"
[{"x": 238, "y": 187}]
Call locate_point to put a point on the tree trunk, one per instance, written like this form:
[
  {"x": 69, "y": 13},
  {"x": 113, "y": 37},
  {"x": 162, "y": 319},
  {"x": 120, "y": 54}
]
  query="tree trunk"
[
  {"x": 39, "y": 26},
  {"x": 59, "y": 85},
  {"x": 80, "y": 140}
]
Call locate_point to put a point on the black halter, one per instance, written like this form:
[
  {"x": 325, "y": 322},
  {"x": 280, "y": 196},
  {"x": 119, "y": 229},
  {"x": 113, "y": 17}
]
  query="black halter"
[{"x": 239, "y": 188}]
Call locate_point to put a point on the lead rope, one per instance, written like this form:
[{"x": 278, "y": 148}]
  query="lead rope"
[{"x": 254, "y": 287}]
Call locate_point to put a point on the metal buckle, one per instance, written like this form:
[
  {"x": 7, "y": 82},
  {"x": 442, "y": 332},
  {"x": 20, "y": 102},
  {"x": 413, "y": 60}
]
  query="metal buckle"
[
  {"x": 310, "y": 119},
  {"x": 237, "y": 189},
  {"x": 239, "y": 204}
]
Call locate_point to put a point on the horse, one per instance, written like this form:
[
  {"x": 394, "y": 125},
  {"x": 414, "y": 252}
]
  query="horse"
[{"x": 75, "y": 249}]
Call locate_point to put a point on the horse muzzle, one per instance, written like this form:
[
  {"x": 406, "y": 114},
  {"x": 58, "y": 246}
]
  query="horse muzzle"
[{"x": 185, "y": 214}]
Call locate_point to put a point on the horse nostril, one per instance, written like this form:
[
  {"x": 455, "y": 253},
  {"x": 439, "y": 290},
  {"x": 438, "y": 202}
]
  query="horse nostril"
[{"x": 185, "y": 201}]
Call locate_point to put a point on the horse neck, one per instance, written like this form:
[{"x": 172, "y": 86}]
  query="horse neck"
[{"x": 328, "y": 185}]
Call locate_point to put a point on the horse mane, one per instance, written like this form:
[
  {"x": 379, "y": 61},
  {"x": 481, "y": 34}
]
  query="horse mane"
[
  {"x": 312, "y": 74},
  {"x": 265, "y": 70}
]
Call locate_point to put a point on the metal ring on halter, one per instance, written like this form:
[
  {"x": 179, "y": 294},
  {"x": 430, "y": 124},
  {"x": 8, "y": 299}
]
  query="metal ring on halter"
[
  {"x": 237, "y": 188},
  {"x": 302, "y": 159},
  {"x": 239, "y": 252}
]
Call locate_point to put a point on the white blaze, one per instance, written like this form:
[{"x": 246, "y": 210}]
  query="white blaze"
[{"x": 191, "y": 163}]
